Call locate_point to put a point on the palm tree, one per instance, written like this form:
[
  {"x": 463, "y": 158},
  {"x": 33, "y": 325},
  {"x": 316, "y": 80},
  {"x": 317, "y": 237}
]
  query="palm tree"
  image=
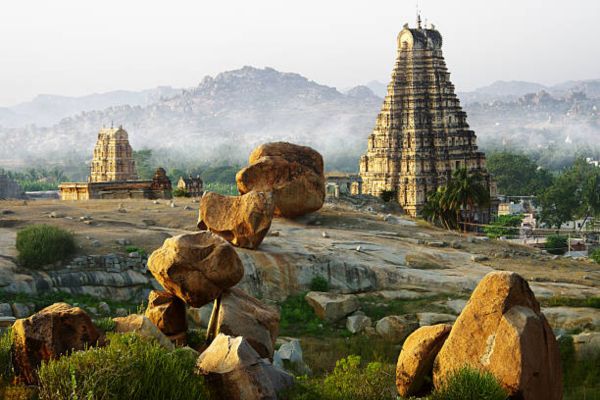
[{"x": 466, "y": 193}]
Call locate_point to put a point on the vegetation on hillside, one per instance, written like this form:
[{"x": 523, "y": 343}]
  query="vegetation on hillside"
[
  {"x": 517, "y": 174},
  {"x": 37, "y": 179},
  {"x": 40, "y": 245}
]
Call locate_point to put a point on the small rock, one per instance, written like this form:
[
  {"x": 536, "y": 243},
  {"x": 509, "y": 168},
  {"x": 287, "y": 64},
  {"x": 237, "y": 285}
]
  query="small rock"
[
  {"x": 156, "y": 202},
  {"x": 134, "y": 254},
  {"x": 430, "y": 318},
  {"x": 95, "y": 243},
  {"x": 332, "y": 307},
  {"x": 357, "y": 323},
  {"x": 325, "y": 234},
  {"x": 479, "y": 258},
  {"x": 121, "y": 312},
  {"x": 187, "y": 208},
  {"x": 396, "y": 328},
  {"x": 199, "y": 317},
  {"x": 274, "y": 234},
  {"x": 20, "y": 310},
  {"x": 123, "y": 242},
  {"x": 56, "y": 214},
  {"x": 104, "y": 308},
  {"x": 6, "y": 310},
  {"x": 289, "y": 357},
  {"x": 358, "y": 248}
]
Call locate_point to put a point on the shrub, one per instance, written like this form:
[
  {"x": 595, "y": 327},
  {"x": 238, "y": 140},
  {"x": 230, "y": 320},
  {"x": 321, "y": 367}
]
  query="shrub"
[
  {"x": 470, "y": 384},
  {"x": 387, "y": 195},
  {"x": 134, "y": 249},
  {"x": 319, "y": 284},
  {"x": 349, "y": 380},
  {"x": 298, "y": 318},
  {"x": 595, "y": 255},
  {"x": 556, "y": 244},
  {"x": 6, "y": 370},
  {"x": 105, "y": 324},
  {"x": 129, "y": 367},
  {"x": 40, "y": 245},
  {"x": 179, "y": 192},
  {"x": 505, "y": 225}
]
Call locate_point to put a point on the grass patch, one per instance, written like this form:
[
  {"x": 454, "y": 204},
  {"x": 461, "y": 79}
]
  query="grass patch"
[
  {"x": 105, "y": 324},
  {"x": 558, "y": 301},
  {"x": 6, "y": 369},
  {"x": 134, "y": 249},
  {"x": 129, "y": 367},
  {"x": 299, "y": 319},
  {"x": 351, "y": 379},
  {"x": 581, "y": 377},
  {"x": 40, "y": 245},
  {"x": 470, "y": 384},
  {"x": 377, "y": 308},
  {"x": 46, "y": 299},
  {"x": 319, "y": 284}
]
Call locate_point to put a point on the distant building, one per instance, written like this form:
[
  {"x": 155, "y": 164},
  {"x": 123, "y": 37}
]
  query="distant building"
[
  {"x": 194, "y": 187},
  {"x": 113, "y": 174},
  {"x": 113, "y": 157},
  {"x": 421, "y": 135},
  {"x": 340, "y": 183}
]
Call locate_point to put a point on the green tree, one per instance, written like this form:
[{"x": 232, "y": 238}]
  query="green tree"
[
  {"x": 467, "y": 193},
  {"x": 517, "y": 174},
  {"x": 505, "y": 225},
  {"x": 143, "y": 163}
]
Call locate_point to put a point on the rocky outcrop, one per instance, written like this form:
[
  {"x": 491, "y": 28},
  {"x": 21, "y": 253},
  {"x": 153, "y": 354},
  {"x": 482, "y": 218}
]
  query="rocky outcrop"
[
  {"x": 293, "y": 173},
  {"x": 289, "y": 357},
  {"x": 502, "y": 330},
  {"x": 396, "y": 328},
  {"x": 241, "y": 220},
  {"x": 415, "y": 362},
  {"x": 332, "y": 306},
  {"x": 243, "y": 315},
  {"x": 196, "y": 267},
  {"x": 235, "y": 371},
  {"x": 167, "y": 312},
  {"x": 143, "y": 327},
  {"x": 48, "y": 334},
  {"x": 430, "y": 318},
  {"x": 573, "y": 318}
]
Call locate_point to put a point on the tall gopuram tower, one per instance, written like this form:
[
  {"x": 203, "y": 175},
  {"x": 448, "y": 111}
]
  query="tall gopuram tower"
[
  {"x": 113, "y": 157},
  {"x": 421, "y": 134}
]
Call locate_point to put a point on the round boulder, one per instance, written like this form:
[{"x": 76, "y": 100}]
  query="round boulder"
[
  {"x": 167, "y": 312},
  {"x": 293, "y": 173},
  {"x": 243, "y": 221},
  {"x": 501, "y": 330},
  {"x": 48, "y": 334},
  {"x": 196, "y": 267}
]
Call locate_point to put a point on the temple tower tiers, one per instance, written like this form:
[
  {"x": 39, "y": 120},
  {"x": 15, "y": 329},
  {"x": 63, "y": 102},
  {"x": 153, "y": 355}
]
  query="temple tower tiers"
[
  {"x": 421, "y": 134},
  {"x": 113, "y": 157}
]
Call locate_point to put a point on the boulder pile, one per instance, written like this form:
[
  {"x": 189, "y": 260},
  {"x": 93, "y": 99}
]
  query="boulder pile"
[
  {"x": 283, "y": 179},
  {"x": 501, "y": 330}
]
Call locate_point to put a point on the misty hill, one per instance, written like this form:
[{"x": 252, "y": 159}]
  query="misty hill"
[
  {"x": 224, "y": 117},
  {"x": 221, "y": 119},
  {"x": 46, "y": 109}
]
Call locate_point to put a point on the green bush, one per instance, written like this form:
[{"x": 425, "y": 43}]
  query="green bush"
[
  {"x": 298, "y": 319},
  {"x": 505, "y": 225},
  {"x": 349, "y": 380},
  {"x": 40, "y": 245},
  {"x": 105, "y": 324},
  {"x": 178, "y": 192},
  {"x": 595, "y": 255},
  {"x": 129, "y": 367},
  {"x": 470, "y": 384},
  {"x": 556, "y": 244},
  {"x": 6, "y": 370},
  {"x": 319, "y": 284},
  {"x": 135, "y": 249}
]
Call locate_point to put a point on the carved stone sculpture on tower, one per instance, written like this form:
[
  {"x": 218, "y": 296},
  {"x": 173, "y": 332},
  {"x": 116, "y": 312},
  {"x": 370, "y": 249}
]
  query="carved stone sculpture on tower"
[
  {"x": 113, "y": 157},
  {"x": 421, "y": 134}
]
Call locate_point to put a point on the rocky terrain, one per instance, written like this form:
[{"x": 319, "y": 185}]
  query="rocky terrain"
[{"x": 357, "y": 245}]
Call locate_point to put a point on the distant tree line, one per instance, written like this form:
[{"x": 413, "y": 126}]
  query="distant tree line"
[{"x": 37, "y": 179}]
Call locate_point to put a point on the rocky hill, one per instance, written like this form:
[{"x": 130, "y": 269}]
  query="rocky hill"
[{"x": 225, "y": 116}]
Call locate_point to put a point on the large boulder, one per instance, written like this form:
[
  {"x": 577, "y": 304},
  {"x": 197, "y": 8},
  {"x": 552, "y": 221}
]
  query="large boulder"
[
  {"x": 167, "y": 312},
  {"x": 415, "y": 362},
  {"x": 241, "y": 220},
  {"x": 501, "y": 330},
  {"x": 331, "y": 306},
  {"x": 293, "y": 173},
  {"x": 141, "y": 325},
  {"x": 235, "y": 371},
  {"x": 48, "y": 334},
  {"x": 396, "y": 328},
  {"x": 196, "y": 267},
  {"x": 358, "y": 322},
  {"x": 289, "y": 357},
  {"x": 243, "y": 315}
]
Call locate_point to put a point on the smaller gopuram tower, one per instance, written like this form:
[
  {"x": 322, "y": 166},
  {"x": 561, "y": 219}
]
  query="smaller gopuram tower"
[
  {"x": 113, "y": 157},
  {"x": 421, "y": 135}
]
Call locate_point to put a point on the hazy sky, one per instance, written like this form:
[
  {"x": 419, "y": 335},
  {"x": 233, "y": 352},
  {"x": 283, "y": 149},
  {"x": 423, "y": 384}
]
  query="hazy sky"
[{"x": 76, "y": 47}]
